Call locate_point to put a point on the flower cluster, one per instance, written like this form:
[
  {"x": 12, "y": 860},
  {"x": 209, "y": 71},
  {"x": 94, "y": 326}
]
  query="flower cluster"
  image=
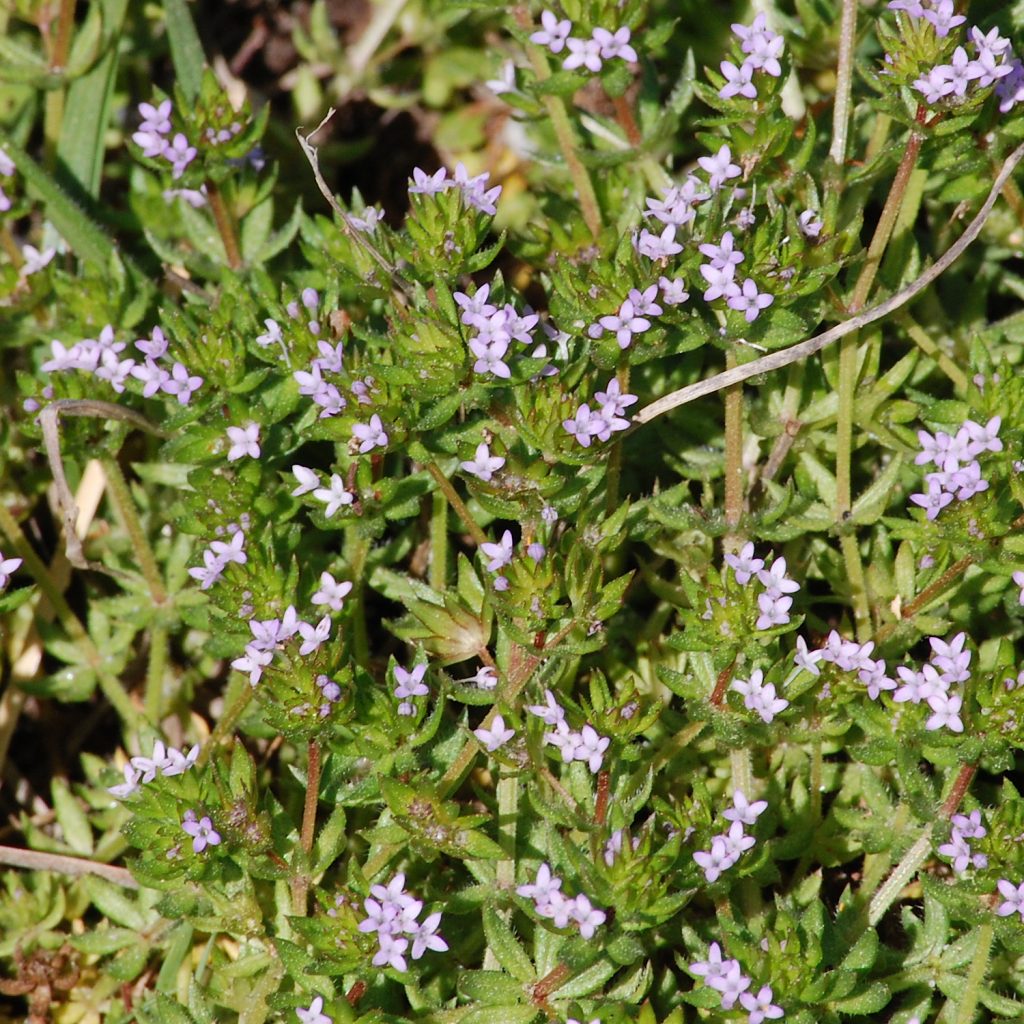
[
  {"x": 762, "y": 48},
  {"x": 166, "y": 761},
  {"x": 586, "y": 745},
  {"x": 154, "y": 138},
  {"x": 102, "y": 357},
  {"x": 965, "y": 827},
  {"x": 774, "y": 602},
  {"x": 495, "y": 329},
  {"x": 391, "y": 912},
  {"x": 550, "y": 902},
  {"x": 222, "y": 553},
  {"x": 931, "y": 684},
  {"x": 584, "y": 53},
  {"x": 990, "y": 65},
  {"x": 958, "y": 472},
  {"x": 270, "y": 634},
  {"x": 609, "y": 416},
  {"x": 728, "y": 847},
  {"x": 475, "y": 192},
  {"x": 720, "y": 274},
  {"x": 7, "y": 567},
  {"x": 727, "y": 978}
]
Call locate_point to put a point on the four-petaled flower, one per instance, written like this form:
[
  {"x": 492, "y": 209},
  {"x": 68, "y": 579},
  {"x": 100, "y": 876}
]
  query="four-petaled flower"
[
  {"x": 244, "y": 441},
  {"x": 370, "y": 435},
  {"x": 202, "y": 831},
  {"x": 313, "y": 1014}
]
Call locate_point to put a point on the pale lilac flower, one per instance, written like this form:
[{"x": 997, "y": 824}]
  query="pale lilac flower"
[
  {"x": 115, "y": 371},
  {"x": 983, "y": 438},
  {"x": 934, "y": 501},
  {"x": 429, "y": 184},
  {"x": 307, "y": 478},
  {"x": 130, "y": 785},
  {"x": 370, "y": 435},
  {"x": 958, "y": 852},
  {"x": 543, "y": 887},
  {"x": 614, "y": 396},
  {"x": 874, "y": 678},
  {"x": 410, "y": 683},
  {"x": 253, "y": 662},
  {"x": 760, "y": 1007},
  {"x": 716, "y": 860},
  {"x": 244, "y": 441},
  {"x": 425, "y": 936},
  {"x": 951, "y": 659},
  {"x": 1018, "y": 578},
  {"x": 312, "y": 1015},
  {"x": 970, "y": 826},
  {"x": 774, "y": 610},
  {"x": 810, "y": 224},
  {"x": 613, "y": 847},
  {"x": 390, "y": 952},
  {"x": 181, "y": 383},
  {"x": 476, "y": 310},
  {"x": 748, "y": 300},
  {"x": 720, "y": 281},
  {"x": 202, "y": 831},
  {"x": 550, "y": 711},
  {"x": 565, "y": 739},
  {"x": 723, "y": 254},
  {"x": 764, "y": 53},
  {"x": 583, "y": 53},
  {"x": 946, "y": 712},
  {"x": 933, "y": 85},
  {"x": 334, "y": 496},
  {"x": 714, "y": 966},
  {"x": 914, "y": 8},
  {"x": 497, "y": 736},
  {"x": 590, "y": 747},
  {"x": 588, "y": 917},
  {"x": 156, "y": 119},
  {"x": 314, "y": 636},
  {"x": 195, "y": 197},
  {"x": 272, "y": 335},
  {"x": 730, "y": 985},
  {"x": 483, "y": 465},
  {"x": 1013, "y": 898},
  {"x": 960, "y": 71},
  {"x": 658, "y": 247},
  {"x": 615, "y": 44},
  {"x": 582, "y": 425},
  {"x": 155, "y": 346},
  {"x": 673, "y": 291},
  {"x": 745, "y": 564},
  {"x": 625, "y": 323},
  {"x": 499, "y": 555},
  {"x": 554, "y": 32},
  {"x": 180, "y": 154},
  {"x": 34, "y": 260},
  {"x": 943, "y": 17},
  {"x": 178, "y": 763},
  {"x": 490, "y": 357},
  {"x": 720, "y": 168},
  {"x": 371, "y": 216},
  {"x": 331, "y": 358},
  {"x": 332, "y": 592},
  {"x": 209, "y": 573},
  {"x": 1010, "y": 90},
  {"x": 232, "y": 549},
  {"x": 737, "y": 841},
  {"x": 805, "y": 659},
  {"x": 152, "y": 144},
  {"x": 737, "y": 81},
  {"x": 743, "y": 810}
]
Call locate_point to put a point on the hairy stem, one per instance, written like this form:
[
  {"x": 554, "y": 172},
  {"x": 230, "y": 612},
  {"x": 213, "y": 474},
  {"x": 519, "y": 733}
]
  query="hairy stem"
[
  {"x": 505, "y": 870},
  {"x": 948, "y": 366},
  {"x": 225, "y": 225},
  {"x": 456, "y": 503},
  {"x": 438, "y": 541},
  {"x": 844, "y": 82},
  {"x": 155, "y": 669},
  {"x": 117, "y": 487},
  {"x": 300, "y": 883},
  {"x": 357, "y": 548}
]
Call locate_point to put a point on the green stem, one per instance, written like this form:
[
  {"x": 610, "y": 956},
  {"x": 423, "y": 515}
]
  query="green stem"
[
  {"x": 300, "y": 883},
  {"x": 225, "y": 225},
  {"x": 357, "y": 548},
  {"x": 117, "y": 487},
  {"x": 844, "y": 82},
  {"x": 226, "y": 723},
  {"x": 155, "y": 670},
  {"x": 848, "y": 383},
  {"x": 741, "y": 771},
  {"x": 438, "y": 541},
  {"x": 948, "y": 366},
  {"x": 505, "y": 872},
  {"x": 733, "y": 459},
  {"x": 975, "y": 976},
  {"x": 456, "y": 503},
  {"x": 108, "y": 683}
]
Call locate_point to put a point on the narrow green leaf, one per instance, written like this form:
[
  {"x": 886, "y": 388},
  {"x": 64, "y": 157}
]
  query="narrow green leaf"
[
  {"x": 186, "y": 50},
  {"x": 71, "y": 818},
  {"x": 504, "y": 945}
]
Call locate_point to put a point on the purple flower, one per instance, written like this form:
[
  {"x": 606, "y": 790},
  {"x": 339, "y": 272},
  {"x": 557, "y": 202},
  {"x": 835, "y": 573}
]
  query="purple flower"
[
  {"x": 1013, "y": 898},
  {"x": 483, "y": 465},
  {"x": 673, "y": 291},
  {"x": 743, "y": 810},
  {"x": 581, "y": 426},
  {"x": 542, "y": 889},
  {"x": 615, "y": 44},
  {"x": 370, "y": 435},
  {"x": 658, "y": 247},
  {"x": 554, "y": 33},
  {"x": 497, "y": 736},
  {"x": 244, "y": 441},
  {"x": 737, "y": 81},
  {"x": 181, "y": 383},
  {"x": 429, "y": 184},
  {"x": 425, "y": 936},
  {"x": 410, "y": 684},
  {"x": 810, "y": 224},
  {"x": 960, "y": 72},
  {"x": 331, "y": 592},
  {"x": 590, "y": 747},
  {"x": 934, "y": 501},
  {"x": 499, "y": 555},
  {"x": 715, "y": 861},
  {"x": 719, "y": 279},
  {"x": 334, "y": 496},
  {"x": 613, "y": 396},
  {"x": 723, "y": 254},
  {"x": 943, "y": 17},
  {"x": 313, "y": 1014},
  {"x": 156, "y": 119},
  {"x": 761, "y": 1007},
  {"x": 180, "y": 154},
  {"x": 550, "y": 712},
  {"x": 587, "y": 917},
  {"x": 748, "y": 300},
  {"x": 720, "y": 168},
  {"x": 313, "y": 637},
  {"x": 490, "y": 357},
  {"x": 625, "y": 324},
  {"x": 946, "y": 712},
  {"x": 202, "y": 831},
  {"x": 583, "y": 53},
  {"x": 745, "y": 565}
]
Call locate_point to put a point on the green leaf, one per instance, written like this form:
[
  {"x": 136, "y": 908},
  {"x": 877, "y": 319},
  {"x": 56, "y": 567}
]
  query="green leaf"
[
  {"x": 85, "y": 237},
  {"x": 501, "y": 1015},
  {"x": 71, "y": 818},
  {"x": 186, "y": 50},
  {"x": 504, "y": 945},
  {"x": 114, "y": 902}
]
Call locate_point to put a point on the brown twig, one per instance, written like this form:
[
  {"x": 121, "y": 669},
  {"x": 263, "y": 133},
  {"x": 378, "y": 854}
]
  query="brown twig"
[{"x": 37, "y": 860}]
